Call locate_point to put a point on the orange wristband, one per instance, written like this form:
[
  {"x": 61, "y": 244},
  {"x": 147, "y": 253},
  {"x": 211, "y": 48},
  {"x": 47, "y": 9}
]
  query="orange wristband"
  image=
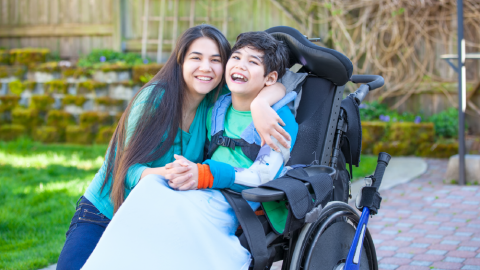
[{"x": 205, "y": 177}]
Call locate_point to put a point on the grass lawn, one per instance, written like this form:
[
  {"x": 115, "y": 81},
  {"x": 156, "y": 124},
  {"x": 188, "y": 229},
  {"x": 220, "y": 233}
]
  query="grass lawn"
[{"x": 39, "y": 186}]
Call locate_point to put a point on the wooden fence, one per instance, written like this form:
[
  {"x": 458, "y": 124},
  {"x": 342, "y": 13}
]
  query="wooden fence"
[{"x": 70, "y": 28}]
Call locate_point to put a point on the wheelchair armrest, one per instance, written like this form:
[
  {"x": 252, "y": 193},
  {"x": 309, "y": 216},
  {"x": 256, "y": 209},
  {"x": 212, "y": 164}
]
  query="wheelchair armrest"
[{"x": 266, "y": 194}]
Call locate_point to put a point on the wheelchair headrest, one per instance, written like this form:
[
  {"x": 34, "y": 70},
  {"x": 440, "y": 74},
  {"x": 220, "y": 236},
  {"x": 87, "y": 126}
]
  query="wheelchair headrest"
[{"x": 323, "y": 62}]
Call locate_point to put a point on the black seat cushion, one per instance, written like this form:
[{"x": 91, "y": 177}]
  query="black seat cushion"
[{"x": 323, "y": 62}]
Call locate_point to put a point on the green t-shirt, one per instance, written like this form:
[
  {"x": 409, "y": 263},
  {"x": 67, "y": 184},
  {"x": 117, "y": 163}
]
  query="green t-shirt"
[{"x": 235, "y": 123}]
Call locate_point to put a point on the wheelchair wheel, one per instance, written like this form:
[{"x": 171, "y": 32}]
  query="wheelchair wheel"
[{"x": 326, "y": 243}]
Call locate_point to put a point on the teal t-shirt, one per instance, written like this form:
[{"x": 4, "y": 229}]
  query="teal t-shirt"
[{"x": 190, "y": 142}]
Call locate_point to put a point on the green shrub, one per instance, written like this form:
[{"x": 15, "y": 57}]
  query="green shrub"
[
  {"x": 59, "y": 118},
  {"x": 79, "y": 135},
  {"x": 415, "y": 133},
  {"x": 90, "y": 86},
  {"x": 16, "y": 87},
  {"x": 30, "y": 85},
  {"x": 144, "y": 73},
  {"x": 47, "y": 134},
  {"x": 28, "y": 118},
  {"x": 94, "y": 119},
  {"x": 446, "y": 123},
  {"x": 49, "y": 67},
  {"x": 107, "y": 101},
  {"x": 11, "y": 132},
  {"x": 393, "y": 148},
  {"x": 28, "y": 56},
  {"x": 41, "y": 102},
  {"x": 56, "y": 86},
  {"x": 8, "y": 102},
  {"x": 3, "y": 72},
  {"x": 75, "y": 72},
  {"x": 4, "y": 57},
  {"x": 104, "y": 135},
  {"x": 372, "y": 132},
  {"x": 100, "y": 57},
  {"x": 74, "y": 100},
  {"x": 438, "y": 149}
]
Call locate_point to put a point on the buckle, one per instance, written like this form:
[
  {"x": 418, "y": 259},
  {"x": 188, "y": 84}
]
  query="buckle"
[{"x": 226, "y": 142}]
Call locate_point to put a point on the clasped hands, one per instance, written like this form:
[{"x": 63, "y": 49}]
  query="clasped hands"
[{"x": 182, "y": 174}]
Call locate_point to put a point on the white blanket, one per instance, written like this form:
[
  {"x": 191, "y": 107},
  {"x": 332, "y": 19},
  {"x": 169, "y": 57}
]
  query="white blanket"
[{"x": 160, "y": 228}]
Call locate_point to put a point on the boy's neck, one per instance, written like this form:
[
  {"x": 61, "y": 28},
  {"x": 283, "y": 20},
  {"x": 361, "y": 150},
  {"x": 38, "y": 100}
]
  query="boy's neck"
[{"x": 242, "y": 102}]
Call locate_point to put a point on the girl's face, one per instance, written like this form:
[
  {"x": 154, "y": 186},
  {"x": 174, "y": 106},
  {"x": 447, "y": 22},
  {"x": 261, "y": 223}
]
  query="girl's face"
[{"x": 202, "y": 67}]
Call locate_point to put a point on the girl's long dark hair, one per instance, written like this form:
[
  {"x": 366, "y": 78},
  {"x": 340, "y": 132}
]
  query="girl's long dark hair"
[{"x": 156, "y": 120}]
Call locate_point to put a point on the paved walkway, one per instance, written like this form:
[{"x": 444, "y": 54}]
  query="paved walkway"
[{"x": 426, "y": 224}]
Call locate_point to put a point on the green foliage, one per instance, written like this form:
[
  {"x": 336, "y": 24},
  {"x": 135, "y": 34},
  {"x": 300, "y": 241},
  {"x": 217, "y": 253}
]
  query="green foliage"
[
  {"x": 90, "y": 86},
  {"x": 94, "y": 119},
  {"x": 8, "y": 102},
  {"x": 75, "y": 72},
  {"x": 372, "y": 132},
  {"x": 30, "y": 85},
  {"x": 39, "y": 186},
  {"x": 41, "y": 102},
  {"x": 56, "y": 86},
  {"x": 446, "y": 123},
  {"x": 47, "y": 134},
  {"x": 100, "y": 57},
  {"x": 107, "y": 101},
  {"x": 59, "y": 118},
  {"x": 16, "y": 87},
  {"x": 74, "y": 100},
  {"x": 398, "y": 12},
  {"x": 11, "y": 132},
  {"x": 79, "y": 135},
  {"x": 28, "y": 56},
  {"x": 4, "y": 57},
  {"x": 28, "y": 118},
  {"x": 104, "y": 135},
  {"x": 144, "y": 73},
  {"x": 48, "y": 67},
  {"x": 437, "y": 150}
]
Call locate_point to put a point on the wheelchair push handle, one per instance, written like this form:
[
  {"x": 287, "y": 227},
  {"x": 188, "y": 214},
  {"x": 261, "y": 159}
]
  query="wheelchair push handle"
[
  {"x": 371, "y": 82},
  {"x": 382, "y": 163}
]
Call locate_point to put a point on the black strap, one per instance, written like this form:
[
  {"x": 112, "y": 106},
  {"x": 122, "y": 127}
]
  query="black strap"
[
  {"x": 252, "y": 228},
  {"x": 371, "y": 198},
  {"x": 321, "y": 183},
  {"x": 250, "y": 150},
  {"x": 297, "y": 193},
  {"x": 350, "y": 156}
]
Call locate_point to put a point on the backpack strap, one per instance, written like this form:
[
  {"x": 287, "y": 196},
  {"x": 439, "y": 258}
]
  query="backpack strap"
[{"x": 252, "y": 228}]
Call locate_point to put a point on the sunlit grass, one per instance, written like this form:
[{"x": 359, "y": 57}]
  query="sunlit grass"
[{"x": 39, "y": 186}]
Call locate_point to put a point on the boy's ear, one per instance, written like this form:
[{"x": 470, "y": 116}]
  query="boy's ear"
[{"x": 271, "y": 78}]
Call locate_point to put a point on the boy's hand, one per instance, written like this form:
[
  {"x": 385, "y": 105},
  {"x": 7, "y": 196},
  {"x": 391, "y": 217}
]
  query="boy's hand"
[
  {"x": 182, "y": 174},
  {"x": 267, "y": 123}
]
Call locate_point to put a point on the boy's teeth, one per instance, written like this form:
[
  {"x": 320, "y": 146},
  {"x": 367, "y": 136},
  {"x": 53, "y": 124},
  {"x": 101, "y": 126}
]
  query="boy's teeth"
[
  {"x": 204, "y": 78},
  {"x": 238, "y": 76}
]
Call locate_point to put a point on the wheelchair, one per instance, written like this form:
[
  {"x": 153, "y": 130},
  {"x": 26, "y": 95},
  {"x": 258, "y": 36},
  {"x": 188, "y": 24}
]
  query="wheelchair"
[{"x": 332, "y": 235}]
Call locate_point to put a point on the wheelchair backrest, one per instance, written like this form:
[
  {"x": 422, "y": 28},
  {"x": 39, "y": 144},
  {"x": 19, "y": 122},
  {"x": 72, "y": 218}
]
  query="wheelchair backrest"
[{"x": 322, "y": 93}]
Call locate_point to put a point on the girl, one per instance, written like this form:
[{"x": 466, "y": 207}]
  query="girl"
[{"x": 166, "y": 117}]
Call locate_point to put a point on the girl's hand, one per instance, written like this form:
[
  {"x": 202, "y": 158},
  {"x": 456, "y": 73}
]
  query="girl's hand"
[
  {"x": 267, "y": 123},
  {"x": 181, "y": 178}
]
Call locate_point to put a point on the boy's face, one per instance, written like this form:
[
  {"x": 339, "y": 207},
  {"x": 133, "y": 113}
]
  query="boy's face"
[{"x": 245, "y": 72}]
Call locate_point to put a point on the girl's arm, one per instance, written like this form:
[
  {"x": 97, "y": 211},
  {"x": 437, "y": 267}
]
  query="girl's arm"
[{"x": 266, "y": 120}]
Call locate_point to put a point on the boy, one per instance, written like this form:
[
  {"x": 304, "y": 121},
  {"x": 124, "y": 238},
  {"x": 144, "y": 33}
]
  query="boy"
[{"x": 236, "y": 160}]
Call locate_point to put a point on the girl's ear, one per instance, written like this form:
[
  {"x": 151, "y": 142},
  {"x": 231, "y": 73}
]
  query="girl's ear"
[{"x": 271, "y": 78}]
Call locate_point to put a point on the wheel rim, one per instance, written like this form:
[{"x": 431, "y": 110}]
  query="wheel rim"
[{"x": 328, "y": 243}]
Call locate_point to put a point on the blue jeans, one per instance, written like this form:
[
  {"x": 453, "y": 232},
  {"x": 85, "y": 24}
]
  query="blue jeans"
[{"x": 85, "y": 230}]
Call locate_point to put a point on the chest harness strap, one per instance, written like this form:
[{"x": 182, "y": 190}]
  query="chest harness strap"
[{"x": 249, "y": 140}]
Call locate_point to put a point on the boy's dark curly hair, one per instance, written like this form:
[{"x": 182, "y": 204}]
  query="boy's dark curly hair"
[{"x": 275, "y": 52}]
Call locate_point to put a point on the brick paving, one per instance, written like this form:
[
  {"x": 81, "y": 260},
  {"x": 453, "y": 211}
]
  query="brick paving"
[{"x": 427, "y": 224}]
